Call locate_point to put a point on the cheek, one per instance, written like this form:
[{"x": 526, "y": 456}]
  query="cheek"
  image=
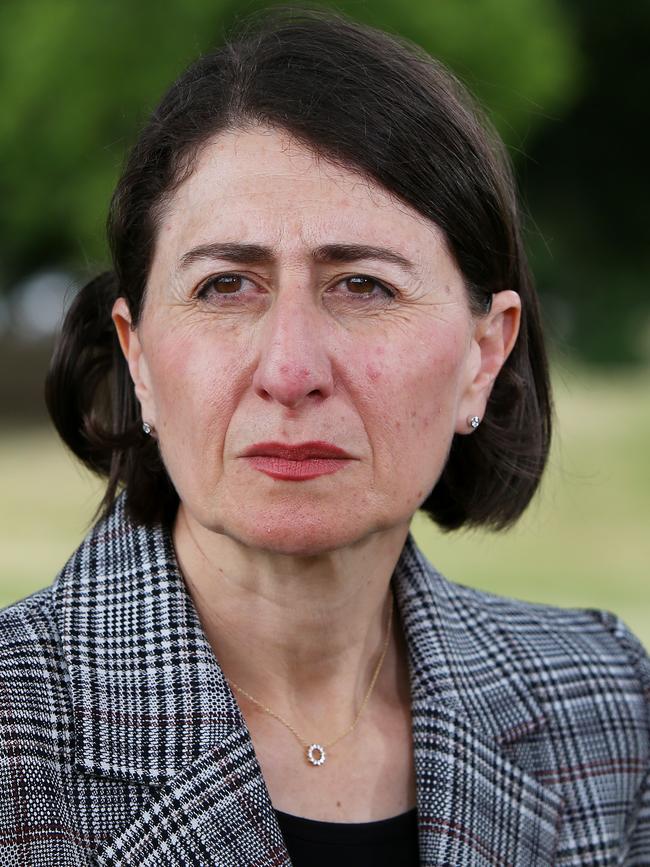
[
  {"x": 193, "y": 388},
  {"x": 417, "y": 390},
  {"x": 411, "y": 393}
]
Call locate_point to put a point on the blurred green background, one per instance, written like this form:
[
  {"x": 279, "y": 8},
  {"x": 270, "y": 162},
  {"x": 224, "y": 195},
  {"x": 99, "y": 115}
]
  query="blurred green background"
[{"x": 566, "y": 85}]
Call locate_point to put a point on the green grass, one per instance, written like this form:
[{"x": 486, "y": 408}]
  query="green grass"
[{"x": 584, "y": 542}]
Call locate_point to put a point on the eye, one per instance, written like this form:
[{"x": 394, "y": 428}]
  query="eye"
[
  {"x": 364, "y": 286},
  {"x": 222, "y": 284}
]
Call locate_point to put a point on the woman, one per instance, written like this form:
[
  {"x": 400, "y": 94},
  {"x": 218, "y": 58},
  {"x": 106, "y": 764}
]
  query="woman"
[{"x": 320, "y": 319}]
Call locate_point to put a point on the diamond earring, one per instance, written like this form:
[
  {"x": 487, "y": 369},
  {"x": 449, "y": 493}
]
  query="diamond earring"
[
  {"x": 473, "y": 421},
  {"x": 147, "y": 428}
]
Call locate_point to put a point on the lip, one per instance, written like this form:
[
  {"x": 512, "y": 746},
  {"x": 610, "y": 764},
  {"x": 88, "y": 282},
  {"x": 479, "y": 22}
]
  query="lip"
[
  {"x": 297, "y": 462},
  {"x": 297, "y": 452}
]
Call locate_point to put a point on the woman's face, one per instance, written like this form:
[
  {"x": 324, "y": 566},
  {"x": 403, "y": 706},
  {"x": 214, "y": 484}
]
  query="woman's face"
[{"x": 293, "y": 302}]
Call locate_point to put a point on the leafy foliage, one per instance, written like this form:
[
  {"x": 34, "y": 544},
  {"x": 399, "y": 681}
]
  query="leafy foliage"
[{"x": 79, "y": 76}]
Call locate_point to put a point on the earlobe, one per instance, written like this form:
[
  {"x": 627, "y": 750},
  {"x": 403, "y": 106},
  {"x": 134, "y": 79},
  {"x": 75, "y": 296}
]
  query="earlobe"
[
  {"x": 132, "y": 350},
  {"x": 494, "y": 337}
]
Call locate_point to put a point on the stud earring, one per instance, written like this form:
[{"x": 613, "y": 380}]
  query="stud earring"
[
  {"x": 473, "y": 421},
  {"x": 147, "y": 428}
]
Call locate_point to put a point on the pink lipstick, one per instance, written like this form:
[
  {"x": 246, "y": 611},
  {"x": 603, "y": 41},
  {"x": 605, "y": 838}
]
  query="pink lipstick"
[{"x": 297, "y": 463}]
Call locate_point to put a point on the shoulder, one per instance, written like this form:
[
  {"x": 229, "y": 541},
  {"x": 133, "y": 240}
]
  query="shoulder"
[
  {"x": 550, "y": 631},
  {"x": 35, "y": 702},
  {"x": 36, "y": 733},
  {"x": 532, "y": 629},
  {"x": 32, "y": 669},
  {"x": 573, "y": 658},
  {"x": 28, "y": 634},
  {"x": 577, "y": 662}
]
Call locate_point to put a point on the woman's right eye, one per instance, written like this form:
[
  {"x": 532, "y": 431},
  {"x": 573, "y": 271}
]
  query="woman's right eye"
[{"x": 221, "y": 285}]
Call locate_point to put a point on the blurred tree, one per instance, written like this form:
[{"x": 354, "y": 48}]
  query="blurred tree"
[
  {"x": 515, "y": 57},
  {"x": 79, "y": 76},
  {"x": 588, "y": 186}
]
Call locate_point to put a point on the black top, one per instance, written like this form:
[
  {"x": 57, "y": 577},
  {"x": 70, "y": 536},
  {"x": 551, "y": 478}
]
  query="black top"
[{"x": 351, "y": 844}]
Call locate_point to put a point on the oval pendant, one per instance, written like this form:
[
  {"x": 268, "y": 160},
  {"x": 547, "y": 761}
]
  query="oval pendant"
[{"x": 311, "y": 757}]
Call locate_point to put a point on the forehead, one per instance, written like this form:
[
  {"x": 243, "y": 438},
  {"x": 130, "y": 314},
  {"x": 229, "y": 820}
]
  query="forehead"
[{"x": 261, "y": 185}]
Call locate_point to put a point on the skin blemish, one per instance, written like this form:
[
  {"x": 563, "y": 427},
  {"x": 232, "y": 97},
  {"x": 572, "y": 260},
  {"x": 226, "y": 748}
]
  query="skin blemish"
[{"x": 373, "y": 373}]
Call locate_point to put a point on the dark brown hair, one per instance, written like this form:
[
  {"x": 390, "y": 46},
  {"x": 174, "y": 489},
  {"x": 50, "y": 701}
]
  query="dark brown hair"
[{"x": 370, "y": 102}]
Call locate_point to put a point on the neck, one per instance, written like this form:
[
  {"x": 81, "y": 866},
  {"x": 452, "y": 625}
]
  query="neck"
[{"x": 303, "y": 635}]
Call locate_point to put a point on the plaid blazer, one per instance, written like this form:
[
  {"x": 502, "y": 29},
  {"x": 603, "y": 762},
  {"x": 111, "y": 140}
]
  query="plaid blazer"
[{"x": 122, "y": 743}]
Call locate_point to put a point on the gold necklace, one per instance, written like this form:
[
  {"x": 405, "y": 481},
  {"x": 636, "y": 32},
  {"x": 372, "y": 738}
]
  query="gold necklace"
[{"x": 315, "y": 753}]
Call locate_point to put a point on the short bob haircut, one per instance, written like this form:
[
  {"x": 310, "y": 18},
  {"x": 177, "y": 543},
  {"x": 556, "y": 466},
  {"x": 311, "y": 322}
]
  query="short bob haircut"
[{"x": 370, "y": 102}]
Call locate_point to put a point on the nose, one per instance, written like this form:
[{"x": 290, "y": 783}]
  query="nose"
[{"x": 293, "y": 365}]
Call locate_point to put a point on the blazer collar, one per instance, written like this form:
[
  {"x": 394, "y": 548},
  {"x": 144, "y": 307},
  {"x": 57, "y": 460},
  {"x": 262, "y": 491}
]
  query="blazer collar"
[
  {"x": 149, "y": 698},
  {"x": 469, "y": 703},
  {"x": 459, "y": 657}
]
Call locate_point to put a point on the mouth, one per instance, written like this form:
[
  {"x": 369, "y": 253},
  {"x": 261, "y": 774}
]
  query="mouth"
[{"x": 299, "y": 462}]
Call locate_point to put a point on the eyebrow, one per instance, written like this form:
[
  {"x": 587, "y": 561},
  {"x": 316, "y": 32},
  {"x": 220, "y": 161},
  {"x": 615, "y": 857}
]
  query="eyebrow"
[{"x": 256, "y": 254}]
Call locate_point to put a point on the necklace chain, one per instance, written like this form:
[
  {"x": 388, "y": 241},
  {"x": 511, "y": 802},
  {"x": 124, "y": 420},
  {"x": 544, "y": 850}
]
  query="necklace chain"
[{"x": 321, "y": 748}]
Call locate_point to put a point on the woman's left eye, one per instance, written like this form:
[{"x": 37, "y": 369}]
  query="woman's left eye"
[{"x": 364, "y": 286}]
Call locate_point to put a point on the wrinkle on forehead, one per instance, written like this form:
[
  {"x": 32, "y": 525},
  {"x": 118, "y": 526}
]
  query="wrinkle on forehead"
[{"x": 262, "y": 185}]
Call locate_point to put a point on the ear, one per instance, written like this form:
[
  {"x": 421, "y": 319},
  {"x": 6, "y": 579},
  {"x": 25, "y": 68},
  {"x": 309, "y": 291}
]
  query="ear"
[
  {"x": 132, "y": 349},
  {"x": 494, "y": 336}
]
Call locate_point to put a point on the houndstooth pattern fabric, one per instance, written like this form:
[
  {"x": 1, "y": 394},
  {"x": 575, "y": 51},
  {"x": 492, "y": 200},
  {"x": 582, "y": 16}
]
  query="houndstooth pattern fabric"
[{"x": 121, "y": 742}]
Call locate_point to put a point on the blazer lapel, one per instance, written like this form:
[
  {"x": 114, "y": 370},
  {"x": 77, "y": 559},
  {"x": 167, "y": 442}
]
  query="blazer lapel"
[
  {"x": 151, "y": 705},
  {"x": 216, "y": 811},
  {"x": 475, "y": 806}
]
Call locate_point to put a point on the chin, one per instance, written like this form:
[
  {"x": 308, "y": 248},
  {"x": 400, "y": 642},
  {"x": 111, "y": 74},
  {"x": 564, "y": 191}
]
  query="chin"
[{"x": 298, "y": 535}]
